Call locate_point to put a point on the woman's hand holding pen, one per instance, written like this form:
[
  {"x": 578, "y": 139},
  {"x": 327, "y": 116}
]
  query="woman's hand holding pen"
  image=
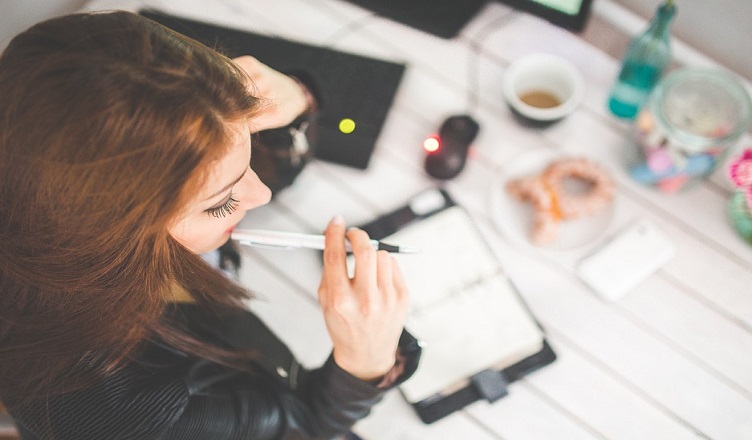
[
  {"x": 286, "y": 97},
  {"x": 364, "y": 314}
]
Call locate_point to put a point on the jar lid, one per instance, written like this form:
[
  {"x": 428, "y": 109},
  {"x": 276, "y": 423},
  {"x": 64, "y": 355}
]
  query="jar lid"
[{"x": 702, "y": 108}]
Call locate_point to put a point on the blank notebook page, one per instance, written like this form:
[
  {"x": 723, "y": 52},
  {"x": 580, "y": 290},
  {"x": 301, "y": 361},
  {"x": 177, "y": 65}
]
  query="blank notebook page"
[{"x": 463, "y": 307}]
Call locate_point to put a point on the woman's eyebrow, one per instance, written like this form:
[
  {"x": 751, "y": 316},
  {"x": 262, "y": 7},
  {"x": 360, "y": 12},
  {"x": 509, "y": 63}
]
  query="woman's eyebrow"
[{"x": 228, "y": 186}]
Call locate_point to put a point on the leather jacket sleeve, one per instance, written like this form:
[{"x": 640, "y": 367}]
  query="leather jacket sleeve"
[
  {"x": 260, "y": 407},
  {"x": 282, "y": 401}
]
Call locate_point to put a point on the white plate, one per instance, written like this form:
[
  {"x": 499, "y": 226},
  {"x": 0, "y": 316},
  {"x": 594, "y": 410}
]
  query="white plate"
[{"x": 515, "y": 218}]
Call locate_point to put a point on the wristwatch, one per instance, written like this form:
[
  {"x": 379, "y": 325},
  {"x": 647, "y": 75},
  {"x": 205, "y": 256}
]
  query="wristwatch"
[{"x": 280, "y": 154}]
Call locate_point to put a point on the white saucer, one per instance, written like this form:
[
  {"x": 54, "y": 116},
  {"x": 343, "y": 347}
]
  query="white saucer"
[{"x": 515, "y": 218}]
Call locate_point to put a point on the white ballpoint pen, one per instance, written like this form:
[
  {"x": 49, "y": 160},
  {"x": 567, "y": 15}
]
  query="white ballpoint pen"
[{"x": 292, "y": 240}]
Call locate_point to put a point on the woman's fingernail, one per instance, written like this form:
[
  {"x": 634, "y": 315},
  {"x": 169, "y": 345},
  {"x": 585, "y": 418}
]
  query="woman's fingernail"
[{"x": 337, "y": 220}]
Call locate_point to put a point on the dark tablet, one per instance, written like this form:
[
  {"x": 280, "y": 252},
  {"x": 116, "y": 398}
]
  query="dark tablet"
[
  {"x": 445, "y": 18},
  {"x": 570, "y": 14}
]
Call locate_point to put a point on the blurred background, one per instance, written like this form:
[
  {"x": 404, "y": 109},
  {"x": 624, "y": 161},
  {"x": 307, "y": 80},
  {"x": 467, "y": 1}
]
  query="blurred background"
[{"x": 716, "y": 29}]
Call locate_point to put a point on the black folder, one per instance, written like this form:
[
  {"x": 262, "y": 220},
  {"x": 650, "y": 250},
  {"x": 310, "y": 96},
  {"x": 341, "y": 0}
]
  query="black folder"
[
  {"x": 351, "y": 86},
  {"x": 489, "y": 382}
]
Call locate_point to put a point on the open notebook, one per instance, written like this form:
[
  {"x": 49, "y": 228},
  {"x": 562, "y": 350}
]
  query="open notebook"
[{"x": 464, "y": 310}]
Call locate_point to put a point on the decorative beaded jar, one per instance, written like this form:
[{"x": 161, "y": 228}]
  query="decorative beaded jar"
[{"x": 691, "y": 120}]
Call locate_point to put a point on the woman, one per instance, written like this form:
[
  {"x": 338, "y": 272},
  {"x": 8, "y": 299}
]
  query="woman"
[{"x": 124, "y": 152}]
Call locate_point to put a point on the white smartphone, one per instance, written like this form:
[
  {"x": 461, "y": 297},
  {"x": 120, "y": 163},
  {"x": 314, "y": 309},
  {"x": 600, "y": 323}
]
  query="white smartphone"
[{"x": 624, "y": 261}]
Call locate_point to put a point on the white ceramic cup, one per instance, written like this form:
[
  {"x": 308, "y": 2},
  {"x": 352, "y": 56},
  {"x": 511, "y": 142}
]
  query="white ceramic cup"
[{"x": 551, "y": 85}]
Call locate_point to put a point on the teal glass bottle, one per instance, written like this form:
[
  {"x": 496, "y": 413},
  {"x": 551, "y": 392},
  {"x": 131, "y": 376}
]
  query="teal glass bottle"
[{"x": 646, "y": 58}]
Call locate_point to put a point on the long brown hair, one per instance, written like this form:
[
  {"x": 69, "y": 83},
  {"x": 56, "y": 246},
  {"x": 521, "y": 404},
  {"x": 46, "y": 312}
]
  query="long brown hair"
[{"x": 107, "y": 124}]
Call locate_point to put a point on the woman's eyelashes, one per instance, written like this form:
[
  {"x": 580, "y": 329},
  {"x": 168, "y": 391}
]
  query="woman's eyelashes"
[{"x": 224, "y": 209}]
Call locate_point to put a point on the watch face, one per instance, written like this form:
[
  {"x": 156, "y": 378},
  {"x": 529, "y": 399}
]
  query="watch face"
[
  {"x": 280, "y": 154},
  {"x": 300, "y": 145}
]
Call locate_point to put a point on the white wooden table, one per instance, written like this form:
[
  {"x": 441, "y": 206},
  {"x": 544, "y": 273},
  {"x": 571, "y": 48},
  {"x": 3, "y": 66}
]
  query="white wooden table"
[{"x": 671, "y": 359}]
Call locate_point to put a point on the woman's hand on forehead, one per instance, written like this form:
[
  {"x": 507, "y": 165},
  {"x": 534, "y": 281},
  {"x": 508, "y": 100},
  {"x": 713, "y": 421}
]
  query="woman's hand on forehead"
[{"x": 285, "y": 97}]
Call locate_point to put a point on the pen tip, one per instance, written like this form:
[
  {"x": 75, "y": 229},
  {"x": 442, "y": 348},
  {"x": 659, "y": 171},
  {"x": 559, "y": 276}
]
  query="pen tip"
[{"x": 409, "y": 250}]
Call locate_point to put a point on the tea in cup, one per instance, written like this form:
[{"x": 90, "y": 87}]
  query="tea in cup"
[{"x": 542, "y": 88}]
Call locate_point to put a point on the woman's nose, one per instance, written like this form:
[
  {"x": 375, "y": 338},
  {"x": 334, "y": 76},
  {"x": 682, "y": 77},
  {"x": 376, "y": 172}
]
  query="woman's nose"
[{"x": 258, "y": 193}]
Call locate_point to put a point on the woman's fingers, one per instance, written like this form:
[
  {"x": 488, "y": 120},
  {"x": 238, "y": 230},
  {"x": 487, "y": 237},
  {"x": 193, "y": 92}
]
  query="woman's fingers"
[
  {"x": 385, "y": 275},
  {"x": 385, "y": 278},
  {"x": 365, "y": 275},
  {"x": 364, "y": 315},
  {"x": 252, "y": 67},
  {"x": 284, "y": 96},
  {"x": 402, "y": 293},
  {"x": 335, "y": 258}
]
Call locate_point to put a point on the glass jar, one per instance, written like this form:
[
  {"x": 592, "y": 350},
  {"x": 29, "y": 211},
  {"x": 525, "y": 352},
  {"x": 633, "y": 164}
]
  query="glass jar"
[
  {"x": 689, "y": 123},
  {"x": 740, "y": 215}
]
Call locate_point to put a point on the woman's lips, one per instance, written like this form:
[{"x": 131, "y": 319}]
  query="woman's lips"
[{"x": 229, "y": 231}]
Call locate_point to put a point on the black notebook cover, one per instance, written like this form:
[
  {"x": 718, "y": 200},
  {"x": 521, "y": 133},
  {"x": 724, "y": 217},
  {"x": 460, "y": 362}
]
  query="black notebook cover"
[
  {"x": 351, "y": 86},
  {"x": 489, "y": 384}
]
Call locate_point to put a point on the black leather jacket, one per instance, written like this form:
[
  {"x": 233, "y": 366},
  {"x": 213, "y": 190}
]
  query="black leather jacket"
[{"x": 165, "y": 394}]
